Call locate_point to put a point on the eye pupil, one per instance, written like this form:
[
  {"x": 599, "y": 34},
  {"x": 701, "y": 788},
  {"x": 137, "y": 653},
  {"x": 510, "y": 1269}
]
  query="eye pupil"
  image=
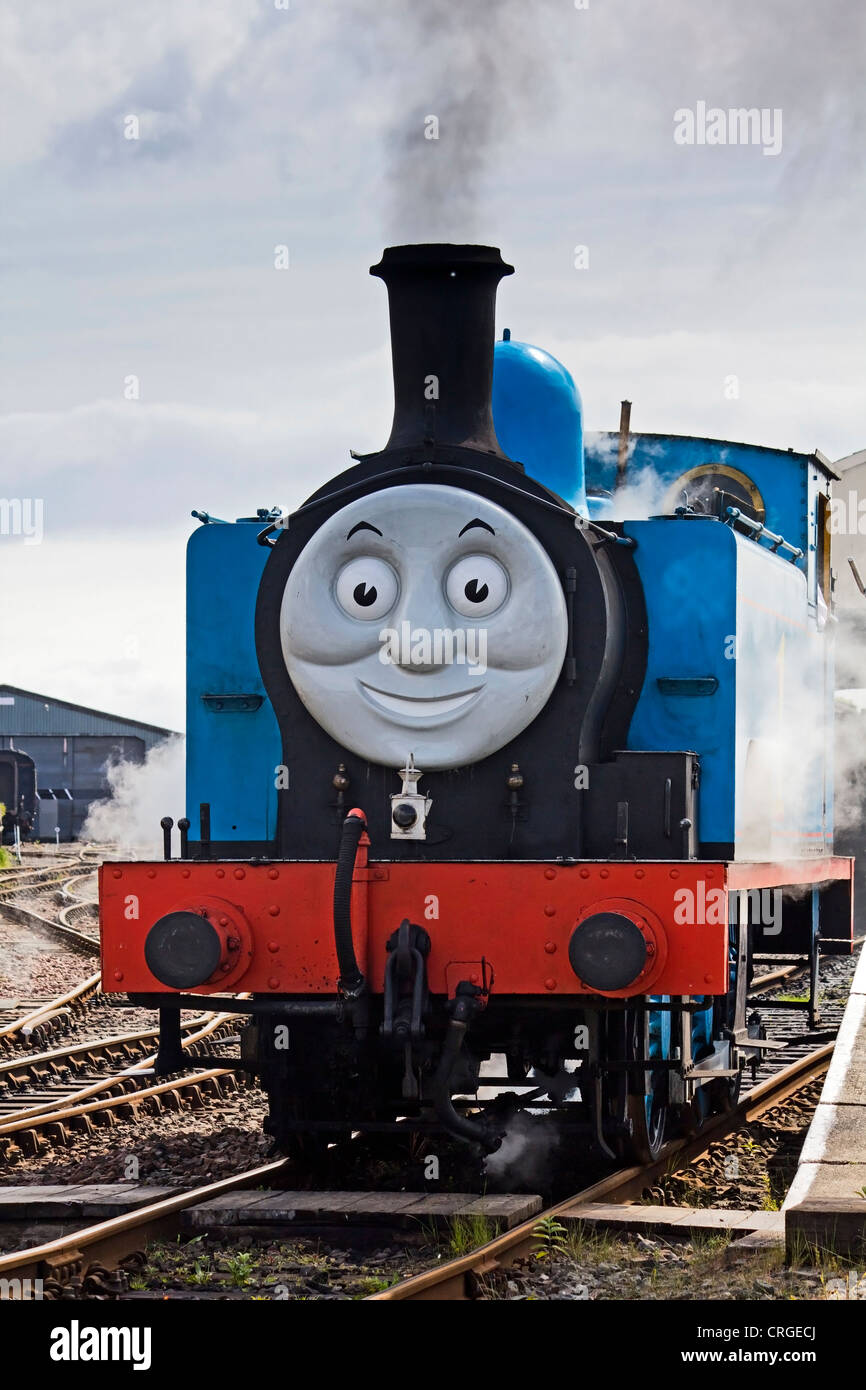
[
  {"x": 363, "y": 596},
  {"x": 474, "y": 593}
]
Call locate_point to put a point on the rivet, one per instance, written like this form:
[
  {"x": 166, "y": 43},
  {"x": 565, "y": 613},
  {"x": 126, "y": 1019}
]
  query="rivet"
[
  {"x": 550, "y": 873},
  {"x": 605, "y": 873},
  {"x": 274, "y": 910},
  {"x": 233, "y": 943},
  {"x": 708, "y": 979},
  {"x": 273, "y": 873},
  {"x": 273, "y": 947},
  {"x": 550, "y": 983},
  {"x": 117, "y": 873},
  {"x": 550, "y": 947},
  {"x": 151, "y": 873},
  {"x": 226, "y": 967},
  {"x": 273, "y": 982},
  {"x": 674, "y": 873},
  {"x": 473, "y": 979},
  {"x": 240, "y": 873},
  {"x": 640, "y": 873},
  {"x": 378, "y": 873},
  {"x": 184, "y": 873},
  {"x": 584, "y": 873},
  {"x": 550, "y": 910},
  {"x": 224, "y": 921},
  {"x": 650, "y": 949},
  {"x": 118, "y": 975},
  {"x": 220, "y": 873}
]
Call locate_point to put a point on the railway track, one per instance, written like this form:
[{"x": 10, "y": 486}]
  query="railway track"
[
  {"x": 462, "y": 1278},
  {"x": 45, "y": 1097},
  {"x": 89, "y": 1261},
  {"x": 34, "y": 897},
  {"x": 33, "y": 1024}
]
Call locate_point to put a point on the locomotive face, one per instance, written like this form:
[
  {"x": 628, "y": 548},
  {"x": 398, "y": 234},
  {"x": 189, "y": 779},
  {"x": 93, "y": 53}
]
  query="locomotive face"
[{"x": 423, "y": 619}]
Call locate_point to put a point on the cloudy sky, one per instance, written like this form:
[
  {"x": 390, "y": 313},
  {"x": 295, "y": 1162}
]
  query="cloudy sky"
[{"x": 148, "y": 264}]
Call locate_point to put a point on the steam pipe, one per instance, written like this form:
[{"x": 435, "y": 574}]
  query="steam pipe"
[
  {"x": 352, "y": 983},
  {"x": 476, "y": 1131},
  {"x": 622, "y": 449}
]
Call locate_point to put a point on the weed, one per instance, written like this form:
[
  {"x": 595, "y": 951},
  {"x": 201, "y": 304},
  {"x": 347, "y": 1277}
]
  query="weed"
[
  {"x": 240, "y": 1268},
  {"x": 769, "y": 1202},
  {"x": 200, "y": 1273},
  {"x": 373, "y": 1283},
  {"x": 586, "y": 1243},
  {"x": 552, "y": 1237},
  {"x": 468, "y": 1232}
]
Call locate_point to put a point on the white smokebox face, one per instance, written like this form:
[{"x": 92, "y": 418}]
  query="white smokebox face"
[{"x": 423, "y": 619}]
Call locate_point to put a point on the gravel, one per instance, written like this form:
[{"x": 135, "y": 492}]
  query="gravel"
[{"x": 172, "y": 1148}]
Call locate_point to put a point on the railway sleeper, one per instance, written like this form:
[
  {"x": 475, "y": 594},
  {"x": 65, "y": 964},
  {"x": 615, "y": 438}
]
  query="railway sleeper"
[{"x": 30, "y": 1144}]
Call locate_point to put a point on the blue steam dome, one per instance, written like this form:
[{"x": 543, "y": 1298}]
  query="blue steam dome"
[{"x": 538, "y": 416}]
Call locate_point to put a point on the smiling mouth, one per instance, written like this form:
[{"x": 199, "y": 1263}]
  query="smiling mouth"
[{"x": 418, "y": 706}]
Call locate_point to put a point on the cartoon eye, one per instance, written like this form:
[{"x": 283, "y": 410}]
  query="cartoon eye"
[
  {"x": 476, "y": 586},
  {"x": 366, "y": 588}
]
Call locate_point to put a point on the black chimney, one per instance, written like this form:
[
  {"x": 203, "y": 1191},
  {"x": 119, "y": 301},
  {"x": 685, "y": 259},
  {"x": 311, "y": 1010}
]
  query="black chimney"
[{"x": 442, "y": 301}]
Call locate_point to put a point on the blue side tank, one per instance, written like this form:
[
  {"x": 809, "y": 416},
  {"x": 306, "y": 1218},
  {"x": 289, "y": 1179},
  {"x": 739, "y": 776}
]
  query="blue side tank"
[{"x": 538, "y": 416}]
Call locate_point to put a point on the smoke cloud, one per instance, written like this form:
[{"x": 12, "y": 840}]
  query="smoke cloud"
[
  {"x": 478, "y": 75},
  {"x": 141, "y": 794},
  {"x": 525, "y": 1155}
]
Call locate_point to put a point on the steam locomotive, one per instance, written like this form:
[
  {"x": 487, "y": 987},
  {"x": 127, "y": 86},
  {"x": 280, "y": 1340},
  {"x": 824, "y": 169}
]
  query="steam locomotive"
[{"x": 493, "y": 801}]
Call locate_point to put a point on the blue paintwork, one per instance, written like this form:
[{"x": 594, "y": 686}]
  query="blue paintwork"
[
  {"x": 538, "y": 416},
  {"x": 720, "y": 604},
  {"x": 783, "y": 478},
  {"x": 231, "y": 757},
  {"x": 659, "y": 1048}
]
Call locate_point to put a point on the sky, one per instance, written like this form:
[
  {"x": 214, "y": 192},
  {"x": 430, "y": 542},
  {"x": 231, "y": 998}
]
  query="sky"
[{"x": 155, "y": 357}]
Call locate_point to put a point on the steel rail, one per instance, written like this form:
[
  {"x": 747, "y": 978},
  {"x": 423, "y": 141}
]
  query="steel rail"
[
  {"x": 24, "y": 1062},
  {"x": 82, "y": 1103},
  {"x": 458, "y": 1279},
  {"x": 111, "y": 1241},
  {"x": 36, "y": 1018},
  {"x": 78, "y": 941}
]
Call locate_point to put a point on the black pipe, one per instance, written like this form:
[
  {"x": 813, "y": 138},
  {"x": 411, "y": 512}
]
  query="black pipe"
[
  {"x": 351, "y": 982},
  {"x": 204, "y": 829},
  {"x": 170, "y": 1056},
  {"x": 183, "y": 827},
  {"x": 476, "y": 1131},
  {"x": 166, "y": 824},
  {"x": 231, "y": 1004},
  {"x": 442, "y": 302}
]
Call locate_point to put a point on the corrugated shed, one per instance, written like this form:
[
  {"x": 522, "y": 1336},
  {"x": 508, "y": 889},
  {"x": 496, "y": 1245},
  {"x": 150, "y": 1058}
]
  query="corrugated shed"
[{"x": 24, "y": 712}]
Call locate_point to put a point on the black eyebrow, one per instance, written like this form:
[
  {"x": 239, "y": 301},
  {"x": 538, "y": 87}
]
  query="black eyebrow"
[
  {"x": 363, "y": 526},
  {"x": 477, "y": 522}
]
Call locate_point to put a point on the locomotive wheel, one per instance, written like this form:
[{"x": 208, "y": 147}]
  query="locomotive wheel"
[
  {"x": 650, "y": 1039},
  {"x": 637, "y": 1036}
]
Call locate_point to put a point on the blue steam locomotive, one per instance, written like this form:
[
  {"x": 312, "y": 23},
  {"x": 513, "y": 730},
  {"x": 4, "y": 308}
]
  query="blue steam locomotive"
[{"x": 508, "y": 752}]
